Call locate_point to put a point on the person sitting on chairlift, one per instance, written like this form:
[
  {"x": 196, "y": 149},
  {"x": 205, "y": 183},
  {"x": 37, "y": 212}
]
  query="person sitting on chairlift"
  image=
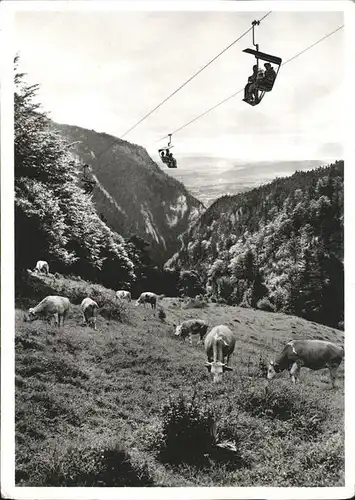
[
  {"x": 170, "y": 160},
  {"x": 251, "y": 80},
  {"x": 269, "y": 77},
  {"x": 162, "y": 156},
  {"x": 253, "y": 89}
]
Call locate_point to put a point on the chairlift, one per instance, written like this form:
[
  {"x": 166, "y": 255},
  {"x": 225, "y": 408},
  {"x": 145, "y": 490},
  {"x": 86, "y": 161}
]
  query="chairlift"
[
  {"x": 166, "y": 156},
  {"x": 260, "y": 87},
  {"x": 88, "y": 183}
]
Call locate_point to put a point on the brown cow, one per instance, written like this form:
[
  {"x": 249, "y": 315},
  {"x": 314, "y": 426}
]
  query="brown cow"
[{"x": 314, "y": 354}]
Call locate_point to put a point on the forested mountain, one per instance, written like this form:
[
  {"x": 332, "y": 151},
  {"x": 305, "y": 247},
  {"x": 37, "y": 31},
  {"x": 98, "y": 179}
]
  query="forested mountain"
[
  {"x": 55, "y": 219},
  {"x": 277, "y": 247},
  {"x": 132, "y": 194}
]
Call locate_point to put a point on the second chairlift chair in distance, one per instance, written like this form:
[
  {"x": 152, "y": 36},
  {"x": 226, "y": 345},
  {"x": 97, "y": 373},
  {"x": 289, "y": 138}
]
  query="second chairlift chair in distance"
[
  {"x": 260, "y": 82},
  {"x": 166, "y": 156}
]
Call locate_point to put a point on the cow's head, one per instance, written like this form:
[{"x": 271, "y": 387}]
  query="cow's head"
[
  {"x": 31, "y": 314},
  {"x": 273, "y": 368},
  {"x": 217, "y": 368},
  {"x": 138, "y": 302},
  {"x": 92, "y": 322},
  {"x": 178, "y": 330}
]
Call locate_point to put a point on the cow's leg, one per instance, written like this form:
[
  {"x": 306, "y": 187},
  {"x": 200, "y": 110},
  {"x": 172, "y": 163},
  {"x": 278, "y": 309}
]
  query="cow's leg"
[
  {"x": 56, "y": 319},
  {"x": 294, "y": 372},
  {"x": 333, "y": 373}
]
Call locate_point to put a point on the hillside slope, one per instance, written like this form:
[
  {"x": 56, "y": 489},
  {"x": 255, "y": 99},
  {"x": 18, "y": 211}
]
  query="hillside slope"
[
  {"x": 282, "y": 242},
  {"x": 132, "y": 193},
  {"x": 79, "y": 393}
]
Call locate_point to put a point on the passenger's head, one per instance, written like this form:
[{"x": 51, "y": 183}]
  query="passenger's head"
[
  {"x": 267, "y": 65},
  {"x": 255, "y": 67}
]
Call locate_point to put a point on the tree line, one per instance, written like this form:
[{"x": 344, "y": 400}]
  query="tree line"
[{"x": 279, "y": 247}]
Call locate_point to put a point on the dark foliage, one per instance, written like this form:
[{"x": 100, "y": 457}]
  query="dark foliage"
[{"x": 187, "y": 432}]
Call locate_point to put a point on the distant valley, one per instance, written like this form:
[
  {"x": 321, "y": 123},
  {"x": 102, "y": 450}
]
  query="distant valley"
[{"x": 209, "y": 178}]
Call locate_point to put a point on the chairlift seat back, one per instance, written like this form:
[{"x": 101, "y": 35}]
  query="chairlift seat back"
[{"x": 264, "y": 57}]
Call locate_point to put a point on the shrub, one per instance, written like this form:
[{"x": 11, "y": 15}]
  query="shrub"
[
  {"x": 198, "y": 302},
  {"x": 111, "y": 308},
  {"x": 187, "y": 431},
  {"x": 265, "y": 305}
]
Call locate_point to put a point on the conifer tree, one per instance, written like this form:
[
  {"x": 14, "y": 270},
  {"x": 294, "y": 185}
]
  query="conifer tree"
[{"x": 55, "y": 219}]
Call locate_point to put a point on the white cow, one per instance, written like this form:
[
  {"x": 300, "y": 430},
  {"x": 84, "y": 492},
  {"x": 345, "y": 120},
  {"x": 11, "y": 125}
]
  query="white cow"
[
  {"x": 42, "y": 267},
  {"x": 219, "y": 344},
  {"x": 124, "y": 295},
  {"x": 148, "y": 298},
  {"x": 192, "y": 327},
  {"x": 89, "y": 308},
  {"x": 52, "y": 306}
]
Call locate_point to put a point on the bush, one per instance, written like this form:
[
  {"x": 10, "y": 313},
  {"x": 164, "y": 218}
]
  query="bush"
[
  {"x": 111, "y": 308},
  {"x": 187, "y": 431},
  {"x": 265, "y": 305},
  {"x": 198, "y": 302},
  {"x": 111, "y": 466}
]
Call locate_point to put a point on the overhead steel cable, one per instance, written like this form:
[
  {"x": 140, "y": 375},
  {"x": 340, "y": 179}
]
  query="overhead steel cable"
[
  {"x": 241, "y": 90},
  {"x": 191, "y": 78},
  {"x": 181, "y": 86}
]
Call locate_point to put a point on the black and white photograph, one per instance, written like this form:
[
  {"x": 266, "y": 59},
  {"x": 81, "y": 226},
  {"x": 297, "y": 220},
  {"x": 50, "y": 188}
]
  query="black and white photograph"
[{"x": 175, "y": 307}]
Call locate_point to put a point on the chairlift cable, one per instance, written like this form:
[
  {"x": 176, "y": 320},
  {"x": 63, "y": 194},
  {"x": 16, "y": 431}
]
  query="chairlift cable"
[
  {"x": 241, "y": 90},
  {"x": 179, "y": 88},
  {"x": 191, "y": 78}
]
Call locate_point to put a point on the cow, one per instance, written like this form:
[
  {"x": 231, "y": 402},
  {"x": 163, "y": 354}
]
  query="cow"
[
  {"x": 148, "y": 298},
  {"x": 314, "y": 354},
  {"x": 52, "y": 306},
  {"x": 219, "y": 345},
  {"x": 192, "y": 327},
  {"x": 42, "y": 267},
  {"x": 89, "y": 308},
  {"x": 124, "y": 295}
]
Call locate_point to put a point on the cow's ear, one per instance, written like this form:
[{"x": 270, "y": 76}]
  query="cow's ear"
[{"x": 227, "y": 368}]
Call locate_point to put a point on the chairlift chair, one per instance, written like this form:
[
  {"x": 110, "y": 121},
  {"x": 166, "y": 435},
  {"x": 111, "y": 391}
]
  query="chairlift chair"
[
  {"x": 166, "y": 156},
  {"x": 261, "y": 87},
  {"x": 88, "y": 183}
]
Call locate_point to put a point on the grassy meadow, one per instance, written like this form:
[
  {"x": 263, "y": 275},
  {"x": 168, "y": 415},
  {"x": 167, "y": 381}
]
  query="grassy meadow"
[{"x": 94, "y": 408}]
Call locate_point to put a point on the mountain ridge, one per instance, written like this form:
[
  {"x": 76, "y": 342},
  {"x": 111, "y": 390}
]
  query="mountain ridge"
[{"x": 132, "y": 193}]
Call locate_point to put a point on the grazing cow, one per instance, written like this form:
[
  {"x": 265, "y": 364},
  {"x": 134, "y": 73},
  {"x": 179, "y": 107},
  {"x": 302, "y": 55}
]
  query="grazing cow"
[
  {"x": 89, "y": 308},
  {"x": 219, "y": 344},
  {"x": 124, "y": 295},
  {"x": 42, "y": 267},
  {"x": 192, "y": 327},
  {"x": 52, "y": 306},
  {"x": 314, "y": 354},
  {"x": 148, "y": 298}
]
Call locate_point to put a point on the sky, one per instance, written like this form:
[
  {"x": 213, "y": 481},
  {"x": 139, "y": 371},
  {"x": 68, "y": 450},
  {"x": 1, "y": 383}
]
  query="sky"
[{"x": 106, "y": 70}]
